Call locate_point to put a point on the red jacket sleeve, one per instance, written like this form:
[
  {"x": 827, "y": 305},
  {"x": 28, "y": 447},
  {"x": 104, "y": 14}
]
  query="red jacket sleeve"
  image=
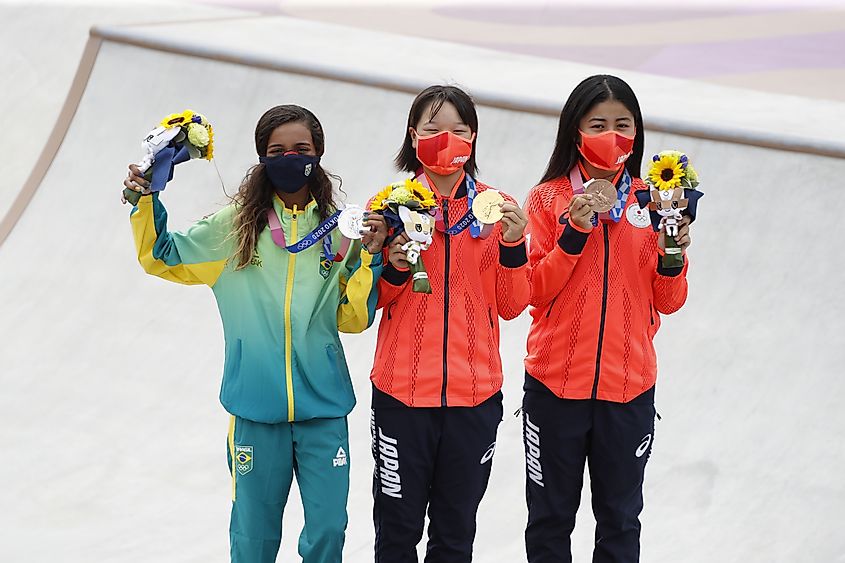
[
  {"x": 670, "y": 287},
  {"x": 554, "y": 247},
  {"x": 513, "y": 289},
  {"x": 391, "y": 283}
]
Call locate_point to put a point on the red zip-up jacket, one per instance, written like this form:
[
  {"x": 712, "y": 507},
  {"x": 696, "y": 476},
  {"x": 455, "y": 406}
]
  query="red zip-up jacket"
[
  {"x": 442, "y": 349},
  {"x": 596, "y": 299}
]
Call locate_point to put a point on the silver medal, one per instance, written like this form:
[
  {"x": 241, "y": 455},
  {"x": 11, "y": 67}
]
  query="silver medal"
[{"x": 351, "y": 222}]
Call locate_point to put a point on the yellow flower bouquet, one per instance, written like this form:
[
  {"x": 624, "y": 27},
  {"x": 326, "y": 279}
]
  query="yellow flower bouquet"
[
  {"x": 407, "y": 207},
  {"x": 672, "y": 193},
  {"x": 179, "y": 137}
]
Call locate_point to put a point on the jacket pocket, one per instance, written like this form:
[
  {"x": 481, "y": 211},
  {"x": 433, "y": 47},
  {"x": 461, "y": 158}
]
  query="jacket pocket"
[
  {"x": 338, "y": 363},
  {"x": 654, "y": 321},
  {"x": 232, "y": 369},
  {"x": 389, "y": 328},
  {"x": 551, "y": 305}
]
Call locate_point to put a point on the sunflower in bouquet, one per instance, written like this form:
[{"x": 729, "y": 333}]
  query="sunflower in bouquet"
[
  {"x": 179, "y": 137},
  {"x": 407, "y": 207},
  {"x": 672, "y": 193}
]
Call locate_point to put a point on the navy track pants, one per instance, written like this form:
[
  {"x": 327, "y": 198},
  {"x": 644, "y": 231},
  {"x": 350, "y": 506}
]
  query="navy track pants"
[
  {"x": 437, "y": 459},
  {"x": 560, "y": 436}
]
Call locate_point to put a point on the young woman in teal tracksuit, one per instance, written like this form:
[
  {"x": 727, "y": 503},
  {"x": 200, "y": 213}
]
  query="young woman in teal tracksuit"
[{"x": 285, "y": 379}]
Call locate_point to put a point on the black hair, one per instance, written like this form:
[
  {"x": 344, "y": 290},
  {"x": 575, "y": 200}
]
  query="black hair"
[
  {"x": 436, "y": 96},
  {"x": 585, "y": 96}
]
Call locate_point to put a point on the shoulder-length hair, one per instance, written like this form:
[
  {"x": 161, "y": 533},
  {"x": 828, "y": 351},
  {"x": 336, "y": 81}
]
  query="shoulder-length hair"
[
  {"x": 436, "y": 96},
  {"x": 585, "y": 96}
]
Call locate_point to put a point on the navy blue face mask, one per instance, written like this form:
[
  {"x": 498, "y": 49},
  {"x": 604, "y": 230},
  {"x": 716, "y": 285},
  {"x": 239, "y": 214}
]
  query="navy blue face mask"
[{"x": 290, "y": 171}]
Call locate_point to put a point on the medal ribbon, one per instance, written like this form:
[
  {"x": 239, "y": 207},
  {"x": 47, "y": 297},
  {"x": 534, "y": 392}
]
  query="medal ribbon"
[
  {"x": 476, "y": 228},
  {"x": 309, "y": 240},
  {"x": 623, "y": 178}
]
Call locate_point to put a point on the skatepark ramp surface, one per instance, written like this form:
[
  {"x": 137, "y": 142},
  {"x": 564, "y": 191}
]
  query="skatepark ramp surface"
[{"x": 115, "y": 440}]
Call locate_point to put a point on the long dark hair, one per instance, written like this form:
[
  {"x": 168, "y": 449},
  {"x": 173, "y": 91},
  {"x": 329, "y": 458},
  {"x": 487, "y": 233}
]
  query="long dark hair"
[
  {"x": 255, "y": 194},
  {"x": 584, "y": 97},
  {"x": 436, "y": 96}
]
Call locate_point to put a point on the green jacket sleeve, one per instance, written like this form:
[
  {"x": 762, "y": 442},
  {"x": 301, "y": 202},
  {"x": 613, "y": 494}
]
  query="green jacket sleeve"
[
  {"x": 359, "y": 290},
  {"x": 196, "y": 256}
]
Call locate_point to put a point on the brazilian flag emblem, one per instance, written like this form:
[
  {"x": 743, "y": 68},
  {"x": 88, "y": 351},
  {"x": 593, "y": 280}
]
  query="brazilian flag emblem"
[
  {"x": 243, "y": 459},
  {"x": 325, "y": 266}
]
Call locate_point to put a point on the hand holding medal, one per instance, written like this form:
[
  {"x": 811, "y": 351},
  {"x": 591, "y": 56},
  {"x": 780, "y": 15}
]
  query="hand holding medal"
[
  {"x": 604, "y": 194},
  {"x": 487, "y": 207},
  {"x": 355, "y": 223},
  {"x": 598, "y": 196},
  {"x": 490, "y": 207}
]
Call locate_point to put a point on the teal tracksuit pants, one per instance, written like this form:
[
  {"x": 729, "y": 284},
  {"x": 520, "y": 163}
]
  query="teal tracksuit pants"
[{"x": 263, "y": 459}]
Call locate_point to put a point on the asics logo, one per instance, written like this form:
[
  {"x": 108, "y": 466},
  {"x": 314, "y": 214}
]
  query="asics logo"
[
  {"x": 643, "y": 448},
  {"x": 488, "y": 455}
]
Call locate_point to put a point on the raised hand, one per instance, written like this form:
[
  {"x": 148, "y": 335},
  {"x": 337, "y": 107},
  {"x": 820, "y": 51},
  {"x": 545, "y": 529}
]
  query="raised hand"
[
  {"x": 374, "y": 232},
  {"x": 514, "y": 222}
]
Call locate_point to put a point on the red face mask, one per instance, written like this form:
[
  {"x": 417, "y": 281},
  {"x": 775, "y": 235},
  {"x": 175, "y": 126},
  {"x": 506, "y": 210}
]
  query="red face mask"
[
  {"x": 607, "y": 151},
  {"x": 443, "y": 153}
]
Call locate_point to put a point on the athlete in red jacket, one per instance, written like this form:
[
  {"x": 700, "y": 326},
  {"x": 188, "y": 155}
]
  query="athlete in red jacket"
[
  {"x": 597, "y": 291},
  {"x": 437, "y": 374}
]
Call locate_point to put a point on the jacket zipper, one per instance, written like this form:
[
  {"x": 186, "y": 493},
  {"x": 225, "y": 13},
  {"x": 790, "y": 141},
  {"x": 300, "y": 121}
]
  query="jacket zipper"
[
  {"x": 603, "y": 308},
  {"x": 288, "y": 328},
  {"x": 445, "y": 207}
]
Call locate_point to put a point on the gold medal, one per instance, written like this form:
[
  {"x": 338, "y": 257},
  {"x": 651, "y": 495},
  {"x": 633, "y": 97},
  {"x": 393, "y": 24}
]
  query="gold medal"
[
  {"x": 486, "y": 207},
  {"x": 604, "y": 195}
]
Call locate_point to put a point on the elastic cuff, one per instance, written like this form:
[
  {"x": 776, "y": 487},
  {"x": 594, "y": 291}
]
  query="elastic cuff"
[
  {"x": 513, "y": 256},
  {"x": 572, "y": 240},
  {"x": 377, "y": 258},
  {"x": 394, "y": 276},
  {"x": 579, "y": 229},
  {"x": 516, "y": 243}
]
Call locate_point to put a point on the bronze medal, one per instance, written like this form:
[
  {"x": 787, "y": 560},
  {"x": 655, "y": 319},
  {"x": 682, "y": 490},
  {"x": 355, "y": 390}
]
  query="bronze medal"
[{"x": 604, "y": 195}]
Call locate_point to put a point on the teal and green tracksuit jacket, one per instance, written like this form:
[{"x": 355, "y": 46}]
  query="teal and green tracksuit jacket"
[{"x": 281, "y": 314}]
